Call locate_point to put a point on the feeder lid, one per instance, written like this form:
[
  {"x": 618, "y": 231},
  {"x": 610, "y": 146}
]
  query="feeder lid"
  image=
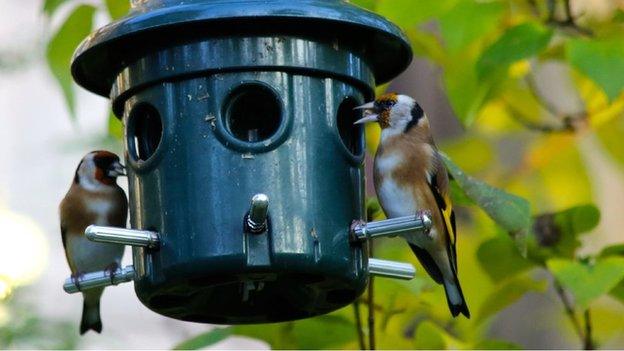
[{"x": 105, "y": 53}]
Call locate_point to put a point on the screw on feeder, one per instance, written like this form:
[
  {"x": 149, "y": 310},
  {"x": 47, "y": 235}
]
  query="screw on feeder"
[
  {"x": 123, "y": 236},
  {"x": 99, "y": 279},
  {"x": 256, "y": 218},
  {"x": 391, "y": 227}
]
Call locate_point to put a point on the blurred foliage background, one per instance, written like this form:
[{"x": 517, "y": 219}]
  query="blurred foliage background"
[{"x": 537, "y": 161}]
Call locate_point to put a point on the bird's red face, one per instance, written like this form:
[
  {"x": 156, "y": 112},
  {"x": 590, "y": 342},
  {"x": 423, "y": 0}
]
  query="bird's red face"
[
  {"x": 107, "y": 167},
  {"x": 99, "y": 166}
]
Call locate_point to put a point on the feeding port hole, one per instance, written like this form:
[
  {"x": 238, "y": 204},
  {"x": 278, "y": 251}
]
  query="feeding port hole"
[
  {"x": 144, "y": 131},
  {"x": 253, "y": 113}
]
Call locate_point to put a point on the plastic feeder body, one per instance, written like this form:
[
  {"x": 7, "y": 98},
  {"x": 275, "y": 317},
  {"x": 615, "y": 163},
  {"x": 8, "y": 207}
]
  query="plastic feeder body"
[{"x": 224, "y": 100}]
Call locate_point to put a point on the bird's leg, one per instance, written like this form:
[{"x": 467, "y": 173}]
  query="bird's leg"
[
  {"x": 111, "y": 269},
  {"x": 421, "y": 214},
  {"x": 75, "y": 277}
]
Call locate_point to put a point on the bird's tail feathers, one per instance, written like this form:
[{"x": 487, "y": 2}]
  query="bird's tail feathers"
[
  {"x": 91, "y": 317},
  {"x": 455, "y": 297}
]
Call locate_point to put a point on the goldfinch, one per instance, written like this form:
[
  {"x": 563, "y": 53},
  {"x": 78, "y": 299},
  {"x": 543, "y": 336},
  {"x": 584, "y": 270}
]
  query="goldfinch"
[
  {"x": 93, "y": 198},
  {"x": 410, "y": 177}
]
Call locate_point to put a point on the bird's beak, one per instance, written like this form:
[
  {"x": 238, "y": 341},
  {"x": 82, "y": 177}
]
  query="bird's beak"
[
  {"x": 367, "y": 119},
  {"x": 370, "y": 113},
  {"x": 116, "y": 170}
]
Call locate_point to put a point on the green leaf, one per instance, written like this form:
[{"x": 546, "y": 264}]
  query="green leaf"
[
  {"x": 496, "y": 345},
  {"x": 618, "y": 292},
  {"x": 469, "y": 21},
  {"x": 510, "y": 212},
  {"x": 408, "y": 13},
  {"x": 50, "y": 6},
  {"x": 557, "y": 234},
  {"x": 600, "y": 60},
  {"x": 62, "y": 45},
  {"x": 612, "y": 250},
  {"x": 510, "y": 292},
  {"x": 205, "y": 340},
  {"x": 500, "y": 259},
  {"x": 429, "y": 336},
  {"x": 328, "y": 331},
  {"x": 517, "y": 43},
  {"x": 585, "y": 281},
  {"x": 117, "y": 8}
]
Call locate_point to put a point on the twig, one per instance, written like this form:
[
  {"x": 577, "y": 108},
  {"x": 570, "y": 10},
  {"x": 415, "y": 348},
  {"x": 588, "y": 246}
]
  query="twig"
[
  {"x": 371, "y": 305},
  {"x": 588, "y": 344},
  {"x": 358, "y": 324},
  {"x": 569, "y": 308}
]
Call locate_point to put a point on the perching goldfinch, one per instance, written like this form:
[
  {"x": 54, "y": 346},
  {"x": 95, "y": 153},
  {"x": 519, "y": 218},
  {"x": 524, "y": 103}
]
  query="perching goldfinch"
[
  {"x": 93, "y": 198},
  {"x": 410, "y": 177}
]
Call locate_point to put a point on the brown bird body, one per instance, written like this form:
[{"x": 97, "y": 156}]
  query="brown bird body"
[
  {"x": 410, "y": 177},
  {"x": 93, "y": 198}
]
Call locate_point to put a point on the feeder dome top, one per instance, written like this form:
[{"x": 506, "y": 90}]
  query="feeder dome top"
[{"x": 154, "y": 25}]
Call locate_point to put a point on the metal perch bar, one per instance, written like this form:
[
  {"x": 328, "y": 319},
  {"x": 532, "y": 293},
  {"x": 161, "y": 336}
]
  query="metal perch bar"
[
  {"x": 99, "y": 280},
  {"x": 258, "y": 211},
  {"x": 391, "y": 269},
  {"x": 391, "y": 227},
  {"x": 133, "y": 237}
]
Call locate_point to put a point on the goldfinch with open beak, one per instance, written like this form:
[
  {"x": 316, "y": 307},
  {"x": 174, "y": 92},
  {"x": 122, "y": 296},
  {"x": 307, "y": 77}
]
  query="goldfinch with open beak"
[
  {"x": 410, "y": 177},
  {"x": 93, "y": 198}
]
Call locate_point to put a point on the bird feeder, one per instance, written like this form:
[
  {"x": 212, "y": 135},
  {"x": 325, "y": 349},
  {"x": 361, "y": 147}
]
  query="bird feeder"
[{"x": 245, "y": 169}]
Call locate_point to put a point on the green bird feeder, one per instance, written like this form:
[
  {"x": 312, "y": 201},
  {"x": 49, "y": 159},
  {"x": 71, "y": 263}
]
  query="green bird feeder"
[{"x": 245, "y": 169}]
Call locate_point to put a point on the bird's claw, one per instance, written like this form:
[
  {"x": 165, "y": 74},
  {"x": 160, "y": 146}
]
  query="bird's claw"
[
  {"x": 422, "y": 214},
  {"x": 75, "y": 277},
  {"x": 111, "y": 269}
]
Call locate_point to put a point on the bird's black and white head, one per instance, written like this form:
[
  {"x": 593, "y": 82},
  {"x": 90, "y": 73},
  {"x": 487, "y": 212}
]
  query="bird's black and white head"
[
  {"x": 395, "y": 114},
  {"x": 99, "y": 170}
]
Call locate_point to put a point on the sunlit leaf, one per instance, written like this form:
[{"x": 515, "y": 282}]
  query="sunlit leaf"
[
  {"x": 601, "y": 60},
  {"x": 586, "y": 281},
  {"x": 115, "y": 127},
  {"x": 468, "y": 21},
  {"x": 205, "y": 340},
  {"x": 407, "y": 13},
  {"x": 62, "y": 45},
  {"x": 509, "y": 211},
  {"x": 50, "y": 6},
  {"x": 500, "y": 259},
  {"x": 517, "y": 43},
  {"x": 511, "y": 291},
  {"x": 610, "y": 135},
  {"x": 374, "y": 212},
  {"x": 367, "y": 4},
  {"x": 117, "y": 8}
]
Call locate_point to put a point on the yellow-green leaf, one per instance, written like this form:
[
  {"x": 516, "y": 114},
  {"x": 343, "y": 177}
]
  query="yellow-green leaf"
[
  {"x": 117, "y": 8},
  {"x": 205, "y": 340}
]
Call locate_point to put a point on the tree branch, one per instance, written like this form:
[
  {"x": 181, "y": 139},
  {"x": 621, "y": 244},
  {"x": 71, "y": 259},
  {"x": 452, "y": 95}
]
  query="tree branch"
[
  {"x": 569, "y": 308},
  {"x": 588, "y": 344},
  {"x": 358, "y": 324},
  {"x": 371, "y": 305}
]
